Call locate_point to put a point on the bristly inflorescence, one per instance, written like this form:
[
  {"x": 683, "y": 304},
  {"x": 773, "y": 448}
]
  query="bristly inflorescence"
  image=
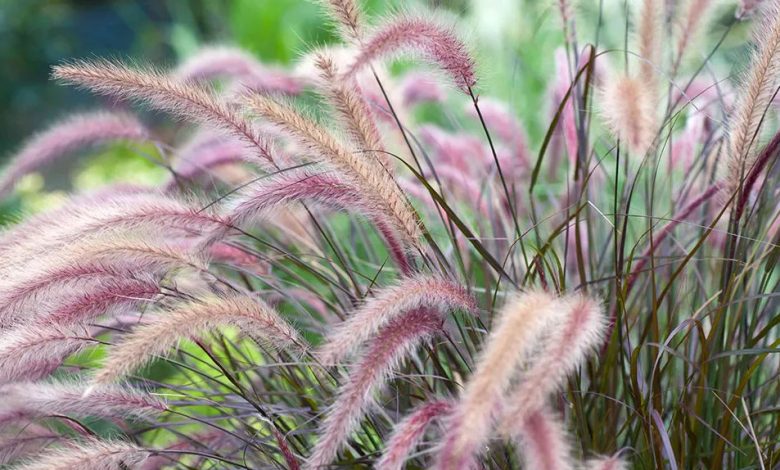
[{"x": 360, "y": 263}]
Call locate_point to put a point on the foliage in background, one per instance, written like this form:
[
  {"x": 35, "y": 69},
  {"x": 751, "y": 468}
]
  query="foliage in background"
[{"x": 548, "y": 257}]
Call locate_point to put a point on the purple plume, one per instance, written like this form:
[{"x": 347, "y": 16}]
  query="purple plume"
[{"x": 65, "y": 137}]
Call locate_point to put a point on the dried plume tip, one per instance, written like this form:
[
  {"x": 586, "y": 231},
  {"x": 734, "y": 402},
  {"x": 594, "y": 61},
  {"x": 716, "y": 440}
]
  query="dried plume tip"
[
  {"x": 414, "y": 35},
  {"x": 252, "y": 316},
  {"x": 184, "y": 100},
  {"x": 67, "y": 136}
]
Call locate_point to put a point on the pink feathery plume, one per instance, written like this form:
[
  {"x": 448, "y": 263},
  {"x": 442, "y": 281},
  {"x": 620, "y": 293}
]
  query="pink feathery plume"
[
  {"x": 216, "y": 62},
  {"x": 41, "y": 223},
  {"x": 25, "y": 440},
  {"x": 89, "y": 455},
  {"x": 54, "y": 278},
  {"x": 417, "y": 88},
  {"x": 404, "y": 34},
  {"x": 188, "y": 101},
  {"x": 45, "y": 289},
  {"x": 224, "y": 61},
  {"x": 79, "y": 221},
  {"x": 31, "y": 352},
  {"x": 31, "y": 400},
  {"x": 465, "y": 186},
  {"x": 606, "y": 463},
  {"x": 106, "y": 286},
  {"x": 513, "y": 337},
  {"x": 395, "y": 341},
  {"x": 261, "y": 199},
  {"x": 370, "y": 177},
  {"x": 571, "y": 338},
  {"x": 758, "y": 88},
  {"x": 99, "y": 209},
  {"x": 754, "y": 174},
  {"x": 250, "y": 315},
  {"x": 235, "y": 255},
  {"x": 462, "y": 151},
  {"x": 543, "y": 442},
  {"x": 150, "y": 252},
  {"x": 502, "y": 121},
  {"x": 415, "y": 292},
  {"x": 408, "y": 433},
  {"x": 272, "y": 80},
  {"x": 702, "y": 94},
  {"x": 267, "y": 195},
  {"x": 110, "y": 296},
  {"x": 683, "y": 150},
  {"x": 207, "y": 151},
  {"x": 629, "y": 110},
  {"x": 67, "y": 136}
]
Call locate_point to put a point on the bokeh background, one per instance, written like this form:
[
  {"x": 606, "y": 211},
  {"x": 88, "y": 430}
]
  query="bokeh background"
[{"x": 514, "y": 42}]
